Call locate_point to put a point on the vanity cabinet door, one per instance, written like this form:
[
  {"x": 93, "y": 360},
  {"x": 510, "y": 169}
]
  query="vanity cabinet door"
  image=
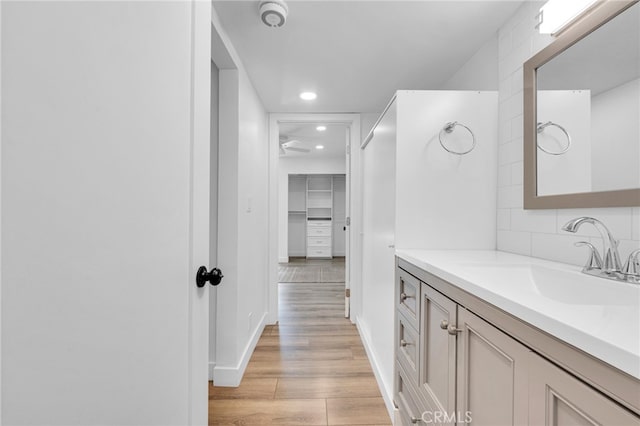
[
  {"x": 558, "y": 399},
  {"x": 492, "y": 374},
  {"x": 437, "y": 351}
]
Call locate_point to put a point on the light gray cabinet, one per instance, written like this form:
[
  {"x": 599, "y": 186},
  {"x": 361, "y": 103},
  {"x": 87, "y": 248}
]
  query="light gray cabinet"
[
  {"x": 492, "y": 373},
  {"x": 557, "y": 398},
  {"x": 470, "y": 371},
  {"x": 437, "y": 372}
]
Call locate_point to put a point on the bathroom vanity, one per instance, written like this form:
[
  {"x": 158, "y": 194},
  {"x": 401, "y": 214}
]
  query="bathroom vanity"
[{"x": 488, "y": 337}]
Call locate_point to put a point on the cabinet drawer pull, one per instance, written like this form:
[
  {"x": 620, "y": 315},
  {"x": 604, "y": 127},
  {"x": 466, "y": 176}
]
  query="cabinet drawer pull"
[
  {"x": 415, "y": 420},
  {"x": 404, "y": 343},
  {"x": 404, "y": 296},
  {"x": 451, "y": 329}
]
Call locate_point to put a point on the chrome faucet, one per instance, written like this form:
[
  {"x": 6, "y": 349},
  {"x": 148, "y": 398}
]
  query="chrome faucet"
[{"x": 609, "y": 266}]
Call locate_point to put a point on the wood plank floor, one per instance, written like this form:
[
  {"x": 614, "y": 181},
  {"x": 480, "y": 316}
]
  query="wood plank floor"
[{"x": 310, "y": 369}]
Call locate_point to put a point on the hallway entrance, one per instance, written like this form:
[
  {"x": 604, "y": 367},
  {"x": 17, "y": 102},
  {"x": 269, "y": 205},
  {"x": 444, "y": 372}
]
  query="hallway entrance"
[{"x": 311, "y": 367}]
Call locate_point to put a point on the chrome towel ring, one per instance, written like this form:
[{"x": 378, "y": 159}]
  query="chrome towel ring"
[
  {"x": 448, "y": 128},
  {"x": 542, "y": 126}
]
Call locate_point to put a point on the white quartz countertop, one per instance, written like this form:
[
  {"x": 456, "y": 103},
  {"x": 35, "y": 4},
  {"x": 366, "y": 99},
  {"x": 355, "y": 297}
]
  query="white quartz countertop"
[{"x": 599, "y": 316}]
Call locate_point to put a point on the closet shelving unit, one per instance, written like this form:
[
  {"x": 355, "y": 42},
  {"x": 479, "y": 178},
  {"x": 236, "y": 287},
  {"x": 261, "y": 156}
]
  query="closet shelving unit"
[
  {"x": 319, "y": 216},
  {"x": 297, "y": 210}
]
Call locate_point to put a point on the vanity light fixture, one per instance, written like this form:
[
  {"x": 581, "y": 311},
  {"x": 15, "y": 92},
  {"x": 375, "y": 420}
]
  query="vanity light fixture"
[
  {"x": 308, "y": 96},
  {"x": 556, "y": 15},
  {"x": 319, "y": 146},
  {"x": 321, "y": 128}
]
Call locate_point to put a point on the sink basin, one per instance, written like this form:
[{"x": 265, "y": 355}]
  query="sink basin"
[{"x": 565, "y": 286}]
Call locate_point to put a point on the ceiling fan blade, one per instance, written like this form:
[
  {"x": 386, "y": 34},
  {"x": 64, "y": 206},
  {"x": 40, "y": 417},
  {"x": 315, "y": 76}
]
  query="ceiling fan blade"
[{"x": 291, "y": 148}]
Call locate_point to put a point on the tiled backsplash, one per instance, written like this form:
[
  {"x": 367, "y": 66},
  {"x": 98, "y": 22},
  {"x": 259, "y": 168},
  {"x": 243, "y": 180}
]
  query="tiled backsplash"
[{"x": 538, "y": 232}]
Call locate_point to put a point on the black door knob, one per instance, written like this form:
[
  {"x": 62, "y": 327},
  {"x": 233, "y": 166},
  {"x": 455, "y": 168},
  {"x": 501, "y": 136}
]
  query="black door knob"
[{"x": 202, "y": 276}]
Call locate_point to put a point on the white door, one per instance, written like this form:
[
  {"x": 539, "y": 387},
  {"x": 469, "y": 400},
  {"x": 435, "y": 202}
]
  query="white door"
[{"x": 105, "y": 165}]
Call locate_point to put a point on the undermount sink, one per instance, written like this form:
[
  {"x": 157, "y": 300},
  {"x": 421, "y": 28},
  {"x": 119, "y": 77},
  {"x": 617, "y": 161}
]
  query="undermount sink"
[{"x": 564, "y": 286}]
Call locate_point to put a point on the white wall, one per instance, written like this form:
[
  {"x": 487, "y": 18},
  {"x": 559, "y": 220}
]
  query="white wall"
[
  {"x": 616, "y": 136},
  {"x": 538, "y": 232},
  {"x": 298, "y": 165},
  {"x": 242, "y": 220},
  {"x": 480, "y": 72}
]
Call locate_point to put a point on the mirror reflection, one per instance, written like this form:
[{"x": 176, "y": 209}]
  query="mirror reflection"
[{"x": 588, "y": 112}]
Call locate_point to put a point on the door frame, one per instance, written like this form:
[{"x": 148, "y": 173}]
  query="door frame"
[
  {"x": 353, "y": 260},
  {"x": 199, "y": 237}
]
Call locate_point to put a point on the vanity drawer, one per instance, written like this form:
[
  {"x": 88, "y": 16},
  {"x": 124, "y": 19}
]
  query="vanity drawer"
[
  {"x": 318, "y": 231},
  {"x": 407, "y": 400},
  {"x": 319, "y": 241},
  {"x": 407, "y": 348},
  {"x": 318, "y": 251},
  {"x": 407, "y": 295}
]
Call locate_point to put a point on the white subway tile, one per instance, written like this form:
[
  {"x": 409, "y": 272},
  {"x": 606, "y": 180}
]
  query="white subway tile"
[
  {"x": 515, "y": 242},
  {"x": 504, "y": 88},
  {"x": 626, "y": 247},
  {"x": 504, "y": 175},
  {"x": 505, "y": 132},
  {"x": 504, "y": 219},
  {"x": 517, "y": 127},
  {"x": 539, "y": 221},
  {"x": 513, "y": 106},
  {"x": 510, "y": 152},
  {"x": 510, "y": 197},
  {"x": 504, "y": 42},
  {"x": 617, "y": 220},
  {"x": 517, "y": 81},
  {"x": 521, "y": 32},
  {"x": 517, "y": 173},
  {"x": 559, "y": 248}
]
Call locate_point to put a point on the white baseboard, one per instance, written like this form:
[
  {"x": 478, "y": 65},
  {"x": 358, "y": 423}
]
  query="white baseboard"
[
  {"x": 386, "y": 391},
  {"x": 232, "y": 376},
  {"x": 283, "y": 259},
  {"x": 212, "y": 365}
]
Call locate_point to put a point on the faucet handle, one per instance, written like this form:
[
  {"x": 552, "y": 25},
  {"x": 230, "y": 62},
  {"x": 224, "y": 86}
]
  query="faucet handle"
[
  {"x": 632, "y": 267},
  {"x": 595, "y": 261}
]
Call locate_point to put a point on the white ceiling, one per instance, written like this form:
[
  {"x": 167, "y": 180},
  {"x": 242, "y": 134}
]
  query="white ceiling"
[
  {"x": 305, "y": 135},
  {"x": 356, "y": 54}
]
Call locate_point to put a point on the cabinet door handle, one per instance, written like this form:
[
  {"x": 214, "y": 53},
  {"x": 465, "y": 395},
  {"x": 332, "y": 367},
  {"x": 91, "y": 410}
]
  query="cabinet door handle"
[
  {"x": 415, "y": 420},
  {"x": 451, "y": 329},
  {"x": 404, "y": 343},
  {"x": 404, "y": 296}
]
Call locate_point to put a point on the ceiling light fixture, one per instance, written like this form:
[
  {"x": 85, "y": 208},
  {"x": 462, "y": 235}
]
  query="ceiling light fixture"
[
  {"x": 273, "y": 13},
  {"x": 321, "y": 128},
  {"x": 308, "y": 96},
  {"x": 556, "y": 15},
  {"x": 319, "y": 146}
]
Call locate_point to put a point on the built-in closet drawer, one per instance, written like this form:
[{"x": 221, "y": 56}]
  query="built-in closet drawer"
[
  {"x": 319, "y": 241},
  {"x": 319, "y": 252},
  {"x": 407, "y": 295},
  {"x": 320, "y": 223},
  {"x": 407, "y": 400},
  {"x": 408, "y": 348},
  {"x": 318, "y": 231}
]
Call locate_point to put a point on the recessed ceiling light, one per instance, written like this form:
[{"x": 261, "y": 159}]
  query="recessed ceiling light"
[
  {"x": 319, "y": 146},
  {"x": 321, "y": 128},
  {"x": 308, "y": 96}
]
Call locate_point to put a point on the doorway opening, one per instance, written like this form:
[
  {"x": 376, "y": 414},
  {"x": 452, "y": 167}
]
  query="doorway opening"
[{"x": 311, "y": 186}]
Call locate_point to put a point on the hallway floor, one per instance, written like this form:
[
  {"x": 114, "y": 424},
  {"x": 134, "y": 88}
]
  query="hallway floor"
[{"x": 310, "y": 369}]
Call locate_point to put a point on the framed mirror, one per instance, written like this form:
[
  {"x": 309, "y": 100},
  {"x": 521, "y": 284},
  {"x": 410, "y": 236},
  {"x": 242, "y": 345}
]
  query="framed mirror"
[{"x": 582, "y": 113}]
